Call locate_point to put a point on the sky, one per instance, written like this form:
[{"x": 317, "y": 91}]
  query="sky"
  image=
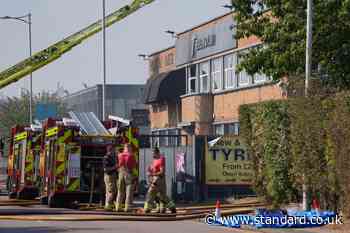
[{"x": 140, "y": 33}]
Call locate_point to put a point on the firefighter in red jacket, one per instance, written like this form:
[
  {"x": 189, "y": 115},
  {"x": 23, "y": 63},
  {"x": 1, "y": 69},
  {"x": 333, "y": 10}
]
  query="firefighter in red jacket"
[
  {"x": 157, "y": 186},
  {"x": 127, "y": 172}
]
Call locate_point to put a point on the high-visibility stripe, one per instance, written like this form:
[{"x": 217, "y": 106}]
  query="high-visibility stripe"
[
  {"x": 29, "y": 167},
  {"x": 66, "y": 135},
  {"x": 60, "y": 169},
  {"x": 61, "y": 153},
  {"x": 51, "y": 132},
  {"x": 21, "y": 136},
  {"x": 74, "y": 186}
]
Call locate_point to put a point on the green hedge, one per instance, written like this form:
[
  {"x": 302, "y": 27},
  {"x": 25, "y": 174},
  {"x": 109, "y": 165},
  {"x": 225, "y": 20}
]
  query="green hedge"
[{"x": 300, "y": 140}]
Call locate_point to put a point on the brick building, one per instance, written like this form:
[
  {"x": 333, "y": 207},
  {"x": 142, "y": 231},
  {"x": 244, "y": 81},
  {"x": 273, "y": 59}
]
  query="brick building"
[{"x": 194, "y": 87}]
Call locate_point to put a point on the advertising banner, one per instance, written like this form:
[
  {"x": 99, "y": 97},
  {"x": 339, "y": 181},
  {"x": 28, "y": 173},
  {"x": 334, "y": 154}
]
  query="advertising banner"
[{"x": 227, "y": 162}]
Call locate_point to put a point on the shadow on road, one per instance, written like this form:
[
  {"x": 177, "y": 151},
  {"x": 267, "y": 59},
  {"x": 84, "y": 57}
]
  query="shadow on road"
[{"x": 33, "y": 229}]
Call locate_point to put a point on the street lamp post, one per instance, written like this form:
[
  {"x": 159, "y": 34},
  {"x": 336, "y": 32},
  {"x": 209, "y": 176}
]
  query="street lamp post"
[
  {"x": 308, "y": 64},
  {"x": 104, "y": 59},
  {"x": 308, "y": 67},
  {"x": 29, "y": 23}
]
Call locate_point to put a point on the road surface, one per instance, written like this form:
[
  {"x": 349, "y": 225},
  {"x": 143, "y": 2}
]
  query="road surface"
[{"x": 109, "y": 227}]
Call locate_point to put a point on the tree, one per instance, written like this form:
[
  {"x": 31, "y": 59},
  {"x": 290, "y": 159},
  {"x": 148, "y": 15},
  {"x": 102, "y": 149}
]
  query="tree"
[
  {"x": 281, "y": 26},
  {"x": 15, "y": 110}
]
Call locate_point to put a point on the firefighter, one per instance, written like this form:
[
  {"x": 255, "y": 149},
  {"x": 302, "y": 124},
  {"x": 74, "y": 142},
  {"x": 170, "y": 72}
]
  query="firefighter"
[
  {"x": 127, "y": 172},
  {"x": 110, "y": 177},
  {"x": 157, "y": 188},
  {"x": 159, "y": 205}
]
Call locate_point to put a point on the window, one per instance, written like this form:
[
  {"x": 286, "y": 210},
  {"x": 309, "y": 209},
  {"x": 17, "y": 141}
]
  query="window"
[
  {"x": 243, "y": 76},
  {"x": 229, "y": 69},
  {"x": 231, "y": 128},
  {"x": 192, "y": 79},
  {"x": 219, "y": 130},
  {"x": 217, "y": 74},
  {"x": 259, "y": 78},
  {"x": 226, "y": 129},
  {"x": 204, "y": 76}
]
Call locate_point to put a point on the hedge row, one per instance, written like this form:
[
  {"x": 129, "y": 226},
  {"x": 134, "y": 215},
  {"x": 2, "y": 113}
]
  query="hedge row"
[{"x": 300, "y": 140}]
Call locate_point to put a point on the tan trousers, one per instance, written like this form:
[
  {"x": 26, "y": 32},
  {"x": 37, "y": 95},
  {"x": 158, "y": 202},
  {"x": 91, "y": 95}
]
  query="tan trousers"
[
  {"x": 110, "y": 183},
  {"x": 125, "y": 189},
  {"x": 157, "y": 189}
]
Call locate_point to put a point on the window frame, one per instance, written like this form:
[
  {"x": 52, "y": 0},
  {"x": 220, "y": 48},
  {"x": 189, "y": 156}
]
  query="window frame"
[
  {"x": 216, "y": 126},
  {"x": 225, "y": 129},
  {"x": 230, "y": 69},
  {"x": 190, "y": 78},
  {"x": 214, "y": 72},
  {"x": 242, "y": 72},
  {"x": 201, "y": 76}
]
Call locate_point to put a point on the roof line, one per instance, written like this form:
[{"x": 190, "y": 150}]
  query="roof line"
[
  {"x": 162, "y": 50},
  {"x": 204, "y": 23}
]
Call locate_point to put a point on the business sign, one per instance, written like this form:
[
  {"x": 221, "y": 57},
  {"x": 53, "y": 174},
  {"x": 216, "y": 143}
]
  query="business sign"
[
  {"x": 44, "y": 111},
  {"x": 227, "y": 162},
  {"x": 195, "y": 45}
]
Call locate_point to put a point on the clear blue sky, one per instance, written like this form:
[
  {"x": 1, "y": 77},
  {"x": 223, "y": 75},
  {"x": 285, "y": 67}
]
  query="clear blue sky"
[{"x": 53, "y": 20}]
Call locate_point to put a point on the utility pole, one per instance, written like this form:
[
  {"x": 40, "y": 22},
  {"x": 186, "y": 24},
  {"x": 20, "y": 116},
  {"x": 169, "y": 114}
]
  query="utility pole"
[
  {"x": 308, "y": 67},
  {"x": 104, "y": 59}
]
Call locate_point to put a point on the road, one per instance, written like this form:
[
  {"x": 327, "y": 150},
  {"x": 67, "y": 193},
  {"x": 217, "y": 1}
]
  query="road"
[
  {"x": 140, "y": 227},
  {"x": 109, "y": 227},
  {"x": 18, "y": 226}
]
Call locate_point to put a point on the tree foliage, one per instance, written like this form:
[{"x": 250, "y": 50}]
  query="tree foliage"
[
  {"x": 15, "y": 110},
  {"x": 297, "y": 141},
  {"x": 281, "y": 26},
  {"x": 265, "y": 128}
]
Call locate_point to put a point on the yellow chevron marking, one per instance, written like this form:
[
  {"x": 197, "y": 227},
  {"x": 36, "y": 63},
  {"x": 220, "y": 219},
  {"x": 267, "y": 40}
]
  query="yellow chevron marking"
[
  {"x": 66, "y": 135},
  {"x": 60, "y": 169},
  {"x": 61, "y": 153},
  {"x": 74, "y": 186}
]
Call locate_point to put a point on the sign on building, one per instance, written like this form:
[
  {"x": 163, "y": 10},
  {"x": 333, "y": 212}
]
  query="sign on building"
[
  {"x": 197, "y": 44},
  {"x": 227, "y": 162}
]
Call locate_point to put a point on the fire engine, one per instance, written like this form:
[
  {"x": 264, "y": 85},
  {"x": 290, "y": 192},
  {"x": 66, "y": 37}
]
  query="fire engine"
[
  {"x": 23, "y": 159},
  {"x": 71, "y": 163}
]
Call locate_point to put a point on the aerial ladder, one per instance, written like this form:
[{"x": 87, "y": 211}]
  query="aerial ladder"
[{"x": 50, "y": 54}]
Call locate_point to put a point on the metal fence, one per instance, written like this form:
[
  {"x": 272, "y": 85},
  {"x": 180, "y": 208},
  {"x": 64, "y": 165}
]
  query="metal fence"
[{"x": 176, "y": 188}]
